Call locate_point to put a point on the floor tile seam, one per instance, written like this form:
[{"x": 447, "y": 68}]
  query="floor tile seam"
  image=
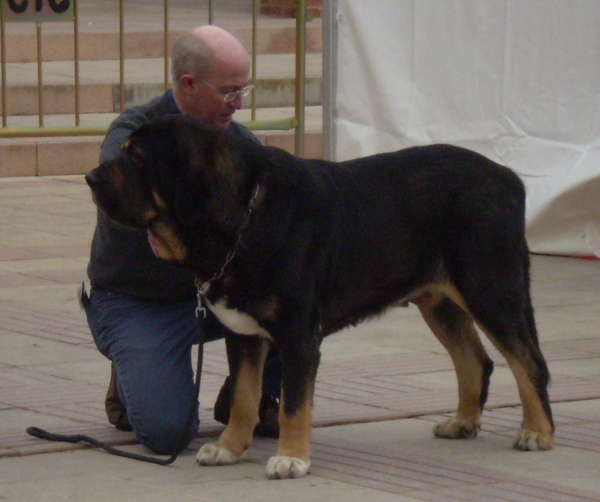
[
  {"x": 366, "y": 472},
  {"x": 575, "y": 435},
  {"x": 68, "y": 331},
  {"x": 371, "y": 466},
  {"x": 389, "y": 486},
  {"x": 491, "y": 477},
  {"x": 29, "y": 401},
  {"x": 25, "y": 379},
  {"x": 21, "y": 309},
  {"x": 75, "y": 327},
  {"x": 362, "y": 386},
  {"x": 325, "y": 443},
  {"x": 59, "y": 274},
  {"x": 56, "y": 319},
  {"x": 58, "y": 386},
  {"x": 73, "y": 415},
  {"x": 529, "y": 486},
  {"x": 475, "y": 492},
  {"x": 23, "y": 312},
  {"x": 30, "y": 281},
  {"x": 47, "y": 248},
  {"x": 75, "y": 342},
  {"x": 120, "y": 440},
  {"x": 400, "y": 404}
]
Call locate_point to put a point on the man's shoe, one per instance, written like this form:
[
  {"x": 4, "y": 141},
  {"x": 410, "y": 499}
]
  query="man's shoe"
[
  {"x": 268, "y": 414},
  {"x": 115, "y": 411},
  {"x": 268, "y": 411}
]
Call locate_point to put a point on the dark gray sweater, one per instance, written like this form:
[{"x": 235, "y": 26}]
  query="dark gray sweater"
[{"x": 121, "y": 260}]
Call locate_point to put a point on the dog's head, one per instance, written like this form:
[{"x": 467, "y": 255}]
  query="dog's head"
[{"x": 167, "y": 177}]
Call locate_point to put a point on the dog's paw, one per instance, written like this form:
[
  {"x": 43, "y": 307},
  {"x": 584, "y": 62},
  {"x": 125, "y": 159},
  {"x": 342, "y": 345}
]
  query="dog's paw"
[
  {"x": 287, "y": 467},
  {"x": 454, "y": 428},
  {"x": 215, "y": 454},
  {"x": 528, "y": 440}
]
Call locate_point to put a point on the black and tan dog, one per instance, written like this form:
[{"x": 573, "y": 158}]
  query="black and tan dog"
[{"x": 290, "y": 250}]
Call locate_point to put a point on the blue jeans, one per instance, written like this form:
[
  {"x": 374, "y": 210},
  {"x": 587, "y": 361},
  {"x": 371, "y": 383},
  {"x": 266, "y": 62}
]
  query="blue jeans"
[{"x": 150, "y": 343}]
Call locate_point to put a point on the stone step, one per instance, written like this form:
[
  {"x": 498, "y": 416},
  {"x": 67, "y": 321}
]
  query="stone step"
[
  {"x": 98, "y": 35},
  {"x": 77, "y": 155},
  {"x": 98, "y": 32},
  {"x": 144, "y": 79}
]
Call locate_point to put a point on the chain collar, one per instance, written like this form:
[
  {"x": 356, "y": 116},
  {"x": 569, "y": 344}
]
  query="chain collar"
[{"x": 201, "y": 288}]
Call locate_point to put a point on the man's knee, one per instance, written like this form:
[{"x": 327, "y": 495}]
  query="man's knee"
[{"x": 163, "y": 437}]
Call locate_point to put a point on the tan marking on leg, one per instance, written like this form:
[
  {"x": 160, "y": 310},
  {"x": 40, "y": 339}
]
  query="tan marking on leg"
[
  {"x": 237, "y": 436},
  {"x": 451, "y": 292},
  {"x": 295, "y": 430},
  {"x": 469, "y": 358},
  {"x": 293, "y": 450},
  {"x": 537, "y": 432}
]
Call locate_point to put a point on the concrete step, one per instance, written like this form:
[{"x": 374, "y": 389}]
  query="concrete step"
[
  {"x": 98, "y": 35},
  {"x": 98, "y": 31},
  {"x": 144, "y": 79},
  {"x": 77, "y": 155}
]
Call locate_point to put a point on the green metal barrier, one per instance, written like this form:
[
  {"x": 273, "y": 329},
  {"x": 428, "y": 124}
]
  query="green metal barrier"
[{"x": 297, "y": 122}]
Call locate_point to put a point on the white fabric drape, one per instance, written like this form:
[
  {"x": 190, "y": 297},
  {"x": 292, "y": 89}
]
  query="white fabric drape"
[{"x": 516, "y": 80}]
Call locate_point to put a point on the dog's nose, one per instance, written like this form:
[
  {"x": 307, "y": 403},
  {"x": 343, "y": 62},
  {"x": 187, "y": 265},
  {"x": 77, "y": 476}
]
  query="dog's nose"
[{"x": 91, "y": 179}]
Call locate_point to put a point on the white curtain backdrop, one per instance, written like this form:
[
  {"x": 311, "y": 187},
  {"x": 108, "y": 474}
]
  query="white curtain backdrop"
[{"x": 516, "y": 80}]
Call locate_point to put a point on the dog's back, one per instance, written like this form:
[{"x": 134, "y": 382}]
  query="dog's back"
[{"x": 396, "y": 222}]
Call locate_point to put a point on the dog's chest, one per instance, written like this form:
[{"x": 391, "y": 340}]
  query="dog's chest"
[{"x": 237, "y": 321}]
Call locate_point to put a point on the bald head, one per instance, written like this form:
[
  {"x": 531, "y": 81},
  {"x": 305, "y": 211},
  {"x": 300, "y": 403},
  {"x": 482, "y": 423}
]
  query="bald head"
[
  {"x": 204, "y": 48},
  {"x": 207, "y": 64},
  {"x": 222, "y": 43}
]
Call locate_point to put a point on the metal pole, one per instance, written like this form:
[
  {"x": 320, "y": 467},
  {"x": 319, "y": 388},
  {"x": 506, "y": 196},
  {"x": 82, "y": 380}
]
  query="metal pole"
[
  {"x": 166, "y": 42},
  {"x": 76, "y": 59},
  {"x": 330, "y": 28},
  {"x": 210, "y": 11},
  {"x": 3, "y": 64},
  {"x": 300, "y": 74},
  {"x": 38, "y": 31},
  {"x": 121, "y": 57},
  {"x": 254, "y": 49}
]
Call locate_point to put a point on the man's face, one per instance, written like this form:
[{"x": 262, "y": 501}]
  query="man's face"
[{"x": 204, "y": 99}]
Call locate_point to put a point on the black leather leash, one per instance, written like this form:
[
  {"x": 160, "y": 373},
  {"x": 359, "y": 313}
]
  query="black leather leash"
[{"x": 78, "y": 438}]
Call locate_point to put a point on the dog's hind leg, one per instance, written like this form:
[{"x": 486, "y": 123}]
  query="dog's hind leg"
[
  {"x": 504, "y": 313},
  {"x": 521, "y": 351},
  {"x": 246, "y": 356},
  {"x": 455, "y": 329}
]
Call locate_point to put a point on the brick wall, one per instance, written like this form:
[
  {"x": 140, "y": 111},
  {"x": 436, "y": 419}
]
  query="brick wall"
[{"x": 287, "y": 8}]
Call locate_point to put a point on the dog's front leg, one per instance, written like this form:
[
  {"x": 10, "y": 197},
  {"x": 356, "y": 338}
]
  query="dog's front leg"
[
  {"x": 300, "y": 358},
  {"x": 246, "y": 355}
]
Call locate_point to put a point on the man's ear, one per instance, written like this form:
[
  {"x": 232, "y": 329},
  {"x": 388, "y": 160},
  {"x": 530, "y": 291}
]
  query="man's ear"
[{"x": 186, "y": 83}]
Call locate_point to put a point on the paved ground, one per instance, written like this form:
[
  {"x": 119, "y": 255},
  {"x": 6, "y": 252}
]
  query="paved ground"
[{"x": 381, "y": 388}]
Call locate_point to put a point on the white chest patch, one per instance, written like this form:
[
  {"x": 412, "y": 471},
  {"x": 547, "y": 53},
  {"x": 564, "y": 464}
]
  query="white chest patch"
[{"x": 238, "y": 322}]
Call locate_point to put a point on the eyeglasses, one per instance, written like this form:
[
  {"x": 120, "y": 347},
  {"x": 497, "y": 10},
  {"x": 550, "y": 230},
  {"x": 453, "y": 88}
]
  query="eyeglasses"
[{"x": 228, "y": 97}]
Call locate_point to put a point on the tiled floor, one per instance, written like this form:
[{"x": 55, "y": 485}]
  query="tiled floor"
[{"x": 381, "y": 386}]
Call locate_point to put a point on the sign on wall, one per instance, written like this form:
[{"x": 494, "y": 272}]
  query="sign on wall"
[{"x": 38, "y": 10}]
